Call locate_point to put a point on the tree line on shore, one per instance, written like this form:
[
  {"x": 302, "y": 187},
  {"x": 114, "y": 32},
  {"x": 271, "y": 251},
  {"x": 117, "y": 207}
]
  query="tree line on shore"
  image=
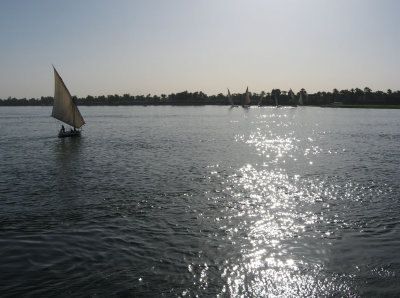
[{"x": 344, "y": 97}]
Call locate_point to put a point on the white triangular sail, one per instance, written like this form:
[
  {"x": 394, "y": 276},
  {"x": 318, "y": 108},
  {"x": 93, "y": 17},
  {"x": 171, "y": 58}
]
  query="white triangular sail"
[
  {"x": 261, "y": 97},
  {"x": 64, "y": 108},
  {"x": 247, "y": 97},
  {"x": 230, "y": 98},
  {"x": 292, "y": 96}
]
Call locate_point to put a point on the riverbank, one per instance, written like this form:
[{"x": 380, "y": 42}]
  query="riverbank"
[{"x": 363, "y": 106}]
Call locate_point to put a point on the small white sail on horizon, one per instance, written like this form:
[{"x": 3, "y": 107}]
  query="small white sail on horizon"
[
  {"x": 64, "y": 108},
  {"x": 247, "y": 99},
  {"x": 301, "y": 99},
  {"x": 261, "y": 97},
  {"x": 293, "y": 98},
  {"x": 230, "y": 98}
]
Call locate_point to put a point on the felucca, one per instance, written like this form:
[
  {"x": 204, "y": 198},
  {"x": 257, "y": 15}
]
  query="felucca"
[
  {"x": 65, "y": 109},
  {"x": 246, "y": 103},
  {"x": 261, "y": 98},
  {"x": 293, "y": 98},
  {"x": 231, "y": 100},
  {"x": 276, "y": 101},
  {"x": 301, "y": 98}
]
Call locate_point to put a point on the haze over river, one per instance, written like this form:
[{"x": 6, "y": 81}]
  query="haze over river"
[{"x": 169, "y": 201}]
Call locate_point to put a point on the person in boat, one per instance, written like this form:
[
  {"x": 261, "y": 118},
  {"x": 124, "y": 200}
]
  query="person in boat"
[{"x": 62, "y": 128}]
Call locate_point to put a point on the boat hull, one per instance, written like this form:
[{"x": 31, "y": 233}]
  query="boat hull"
[{"x": 66, "y": 134}]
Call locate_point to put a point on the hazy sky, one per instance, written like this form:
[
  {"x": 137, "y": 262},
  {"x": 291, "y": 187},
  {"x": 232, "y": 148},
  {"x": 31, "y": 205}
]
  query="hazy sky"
[{"x": 104, "y": 47}]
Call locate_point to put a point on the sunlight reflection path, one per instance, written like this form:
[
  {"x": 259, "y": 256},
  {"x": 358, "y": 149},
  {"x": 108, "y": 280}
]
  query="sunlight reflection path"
[
  {"x": 280, "y": 215},
  {"x": 273, "y": 217}
]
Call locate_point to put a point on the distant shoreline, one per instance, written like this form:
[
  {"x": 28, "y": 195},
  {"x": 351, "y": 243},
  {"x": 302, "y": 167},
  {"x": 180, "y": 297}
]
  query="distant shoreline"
[
  {"x": 362, "y": 106},
  {"x": 335, "y": 106},
  {"x": 354, "y": 98}
]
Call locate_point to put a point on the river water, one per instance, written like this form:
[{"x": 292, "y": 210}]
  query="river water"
[{"x": 200, "y": 201}]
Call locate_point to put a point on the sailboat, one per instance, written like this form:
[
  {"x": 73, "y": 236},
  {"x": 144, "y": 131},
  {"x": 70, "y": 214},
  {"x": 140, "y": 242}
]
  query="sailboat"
[
  {"x": 261, "y": 98},
  {"x": 65, "y": 109},
  {"x": 301, "y": 99},
  {"x": 293, "y": 98},
  {"x": 231, "y": 100},
  {"x": 276, "y": 101},
  {"x": 246, "y": 103}
]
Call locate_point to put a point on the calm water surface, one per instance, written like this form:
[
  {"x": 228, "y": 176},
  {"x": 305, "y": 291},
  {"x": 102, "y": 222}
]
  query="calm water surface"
[{"x": 200, "y": 201}]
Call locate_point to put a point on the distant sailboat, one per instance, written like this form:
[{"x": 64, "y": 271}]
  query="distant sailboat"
[
  {"x": 231, "y": 100},
  {"x": 293, "y": 98},
  {"x": 65, "y": 109},
  {"x": 246, "y": 103},
  {"x": 301, "y": 99},
  {"x": 260, "y": 99},
  {"x": 276, "y": 101}
]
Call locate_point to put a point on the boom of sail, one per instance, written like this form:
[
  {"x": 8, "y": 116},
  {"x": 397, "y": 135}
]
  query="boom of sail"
[{"x": 64, "y": 108}]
